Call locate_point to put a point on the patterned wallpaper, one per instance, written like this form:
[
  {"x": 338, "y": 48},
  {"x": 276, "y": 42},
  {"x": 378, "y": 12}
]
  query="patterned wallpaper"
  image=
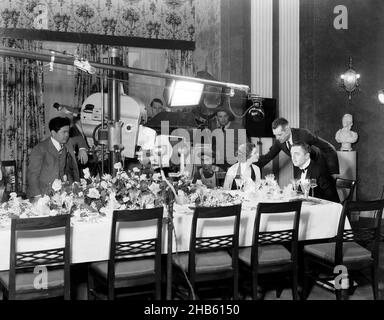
[{"x": 153, "y": 19}]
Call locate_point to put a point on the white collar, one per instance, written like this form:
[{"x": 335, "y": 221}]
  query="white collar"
[
  {"x": 290, "y": 139},
  {"x": 306, "y": 164},
  {"x": 56, "y": 143}
]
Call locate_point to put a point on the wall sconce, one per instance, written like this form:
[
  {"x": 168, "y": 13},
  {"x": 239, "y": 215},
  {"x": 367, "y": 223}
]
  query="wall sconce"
[
  {"x": 350, "y": 79},
  {"x": 380, "y": 96}
]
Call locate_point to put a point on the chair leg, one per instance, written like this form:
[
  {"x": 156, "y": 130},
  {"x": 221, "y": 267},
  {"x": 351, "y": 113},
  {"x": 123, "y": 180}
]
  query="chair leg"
[
  {"x": 236, "y": 286},
  {"x": 90, "y": 286},
  {"x": 375, "y": 282},
  {"x": 254, "y": 285},
  {"x": 295, "y": 294},
  {"x": 305, "y": 292}
]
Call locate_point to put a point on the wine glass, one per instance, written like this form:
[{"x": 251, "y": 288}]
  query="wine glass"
[
  {"x": 295, "y": 185},
  {"x": 313, "y": 185},
  {"x": 239, "y": 182},
  {"x": 305, "y": 187}
]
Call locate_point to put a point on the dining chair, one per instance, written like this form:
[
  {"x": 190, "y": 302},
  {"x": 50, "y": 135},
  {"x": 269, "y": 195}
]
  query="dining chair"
[
  {"x": 24, "y": 280},
  {"x": 134, "y": 267},
  {"x": 346, "y": 189},
  {"x": 211, "y": 258},
  {"x": 355, "y": 248},
  {"x": 269, "y": 253}
]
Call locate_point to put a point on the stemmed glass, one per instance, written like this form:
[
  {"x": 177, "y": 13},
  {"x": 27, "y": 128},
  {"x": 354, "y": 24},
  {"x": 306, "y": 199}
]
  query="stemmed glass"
[
  {"x": 313, "y": 185},
  {"x": 305, "y": 186},
  {"x": 295, "y": 185},
  {"x": 239, "y": 182}
]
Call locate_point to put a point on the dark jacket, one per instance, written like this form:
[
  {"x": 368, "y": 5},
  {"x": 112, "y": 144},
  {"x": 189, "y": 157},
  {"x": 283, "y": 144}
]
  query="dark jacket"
[
  {"x": 43, "y": 167},
  {"x": 321, "y": 150},
  {"x": 326, "y": 185}
]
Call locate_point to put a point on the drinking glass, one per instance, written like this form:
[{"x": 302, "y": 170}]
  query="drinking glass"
[
  {"x": 239, "y": 182},
  {"x": 295, "y": 185},
  {"x": 305, "y": 187},
  {"x": 313, "y": 185}
]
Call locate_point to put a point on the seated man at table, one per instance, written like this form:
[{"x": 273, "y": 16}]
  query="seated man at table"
[
  {"x": 244, "y": 168},
  {"x": 305, "y": 168}
]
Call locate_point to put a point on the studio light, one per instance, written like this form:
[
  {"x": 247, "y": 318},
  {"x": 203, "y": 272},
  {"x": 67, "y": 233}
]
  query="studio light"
[
  {"x": 380, "y": 96},
  {"x": 256, "y": 112},
  {"x": 185, "y": 93}
]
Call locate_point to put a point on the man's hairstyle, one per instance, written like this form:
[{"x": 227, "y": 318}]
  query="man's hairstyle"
[
  {"x": 156, "y": 100},
  {"x": 304, "y": 146},
  {"x": 279, "y": 122},
  {"x": 57, "y": 123}
]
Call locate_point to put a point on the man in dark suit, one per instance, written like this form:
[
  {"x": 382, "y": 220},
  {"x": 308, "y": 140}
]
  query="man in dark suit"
[
  {"x": 305, "y": 168},
  {"x": 51, "y": 159},
  {"x": 321, "y": 150}
]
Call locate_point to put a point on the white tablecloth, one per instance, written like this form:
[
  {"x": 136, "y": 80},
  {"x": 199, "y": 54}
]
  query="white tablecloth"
[{"x": 90, "y": 240}]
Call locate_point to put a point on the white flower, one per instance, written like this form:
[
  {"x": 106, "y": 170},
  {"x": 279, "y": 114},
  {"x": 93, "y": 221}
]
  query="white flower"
[
  {"x": 143, "y": 177},
  {"x": 87, "y": 174},
  {"x": 156, "y": 176},
  {"x": 107, "y": 177},
  {"x": 128, "y": 185},
  {"x": 56, "y": 185},
  {"x": 12, "y": 196},
  {"x": 104, "y": 185},
  {"x": 94, "y": 193},
  {"x": 125, "y": 199},
  {"x": 93, "y": 205},
  {"x": 135, "y": 169},
  {"x": 81, "y": 194},
  {"x": 124, "y": 176},
  {"x": 154, "y": 187},
  {"x": 83, "y": 182},
  {"x": 117, "y": 165}
]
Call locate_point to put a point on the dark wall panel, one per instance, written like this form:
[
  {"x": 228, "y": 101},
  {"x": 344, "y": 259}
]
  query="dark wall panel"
[{"x": 324, "y": 55}]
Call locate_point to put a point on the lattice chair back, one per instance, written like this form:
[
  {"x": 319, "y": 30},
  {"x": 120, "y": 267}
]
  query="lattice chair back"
[
  {"x": 289, "y": 211},
  {"x": 214, "y": 242},
  {"x": 366, "y": 233},
  {"x": 120, "y": 250},
  {"x": 57, "y": 256}
]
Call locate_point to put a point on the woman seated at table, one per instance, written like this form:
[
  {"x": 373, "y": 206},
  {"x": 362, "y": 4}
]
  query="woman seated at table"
[
  {"x": 207, "y": 174},
  {"x": 243, "y": 168}
]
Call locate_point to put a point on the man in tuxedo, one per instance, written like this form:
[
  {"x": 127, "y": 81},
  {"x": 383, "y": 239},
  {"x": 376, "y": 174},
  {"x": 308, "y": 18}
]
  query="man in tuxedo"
[
  {"x": 234, "y": 135},
  {"x": 321, "y": 150},
  {"x": 305, "y": 168},
  {"x": 51, "y": 159}
]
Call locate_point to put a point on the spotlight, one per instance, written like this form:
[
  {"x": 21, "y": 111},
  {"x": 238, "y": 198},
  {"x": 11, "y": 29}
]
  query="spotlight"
[
  {"x": 256, "y": 112},
  {"x": 380, "y": 96}
]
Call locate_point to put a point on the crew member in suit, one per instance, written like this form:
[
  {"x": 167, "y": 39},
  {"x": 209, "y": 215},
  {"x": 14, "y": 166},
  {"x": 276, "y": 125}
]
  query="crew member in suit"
[
  {"x": 310, "y": 169},
  {"x": 51, "y": 159},
  {"x": 321, "y": 150},
  {"x": 234, "y": 134}
]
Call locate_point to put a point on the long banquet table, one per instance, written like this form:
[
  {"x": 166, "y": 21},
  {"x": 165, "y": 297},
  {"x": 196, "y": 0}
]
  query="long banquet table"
[{"x": 90, "y": 240}]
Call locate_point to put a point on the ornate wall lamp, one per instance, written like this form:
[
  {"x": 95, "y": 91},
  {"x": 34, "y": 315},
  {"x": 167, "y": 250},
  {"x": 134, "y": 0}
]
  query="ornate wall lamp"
[{"x": 350, "y": 79}]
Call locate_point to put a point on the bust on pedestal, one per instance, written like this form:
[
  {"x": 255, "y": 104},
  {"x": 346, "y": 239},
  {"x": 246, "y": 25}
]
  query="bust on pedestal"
[{"x": 345, "y": 136}]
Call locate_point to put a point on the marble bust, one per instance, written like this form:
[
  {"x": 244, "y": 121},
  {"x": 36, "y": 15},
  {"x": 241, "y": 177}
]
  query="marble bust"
[{"x": 345, "y": 136}]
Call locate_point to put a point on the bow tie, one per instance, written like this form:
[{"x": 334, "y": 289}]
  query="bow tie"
[{"x": 303, "y": 170}]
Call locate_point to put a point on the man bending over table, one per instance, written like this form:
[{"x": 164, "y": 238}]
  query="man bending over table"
[
  {"x": 51, "y": 159},
  {"x": 310, "y": 169}
]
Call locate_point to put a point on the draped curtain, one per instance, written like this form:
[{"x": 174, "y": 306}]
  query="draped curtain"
[{"x": 22, "y": 116}]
